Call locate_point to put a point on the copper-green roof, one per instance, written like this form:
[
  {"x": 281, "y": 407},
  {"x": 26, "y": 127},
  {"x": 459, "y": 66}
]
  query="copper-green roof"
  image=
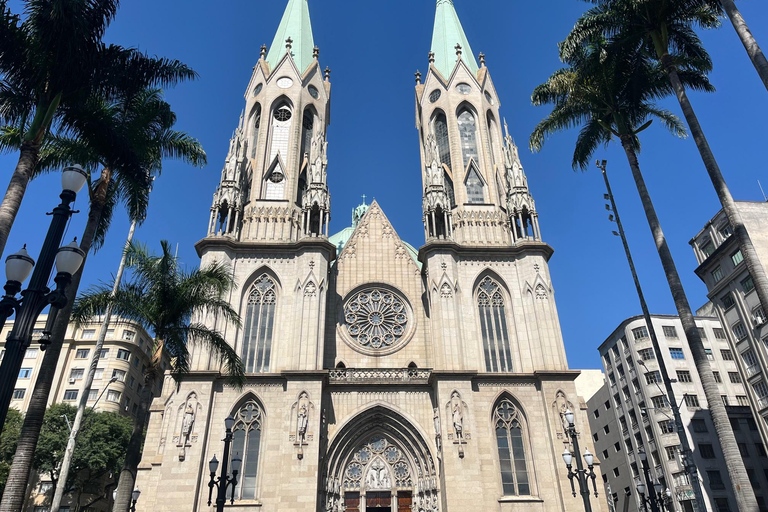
[
  {"x": 297, "y": 26},
  {"x": 447, "y": 33}
]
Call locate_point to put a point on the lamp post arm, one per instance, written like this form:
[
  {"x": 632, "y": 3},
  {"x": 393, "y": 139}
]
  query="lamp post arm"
[{"x": 583, "y": 485}]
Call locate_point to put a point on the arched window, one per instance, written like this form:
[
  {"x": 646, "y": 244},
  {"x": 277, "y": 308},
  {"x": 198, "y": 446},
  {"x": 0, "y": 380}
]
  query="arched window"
[
  {"x": 492, "y": 136},
  {"x": 493, "y": 326},
  {"x": 256, "y": 123},
  {"x": 468, "y": 134},
  {"x": 259, "y": 325},
  {"x": 443, "y": 141},
  {"x": 307, "y": 125},
  {"x": 475, "y": 185},
  {"x": 508, "y": 422},
  {"x": 246, "y": 442},
  {"x": 281, "y": 130}
]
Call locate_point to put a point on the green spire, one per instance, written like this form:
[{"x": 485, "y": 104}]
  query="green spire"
[
  {"x": 296, "y": 26},
  {"x": 447, "y": 34}
]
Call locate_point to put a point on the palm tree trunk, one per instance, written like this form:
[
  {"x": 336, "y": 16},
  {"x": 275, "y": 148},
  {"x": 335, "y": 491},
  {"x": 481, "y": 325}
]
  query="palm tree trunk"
[
  {"x": 742, "y": 489},
  {"x": 747, "y": 39},
  {"x": 756, "y": 270},
  {"x": 30, "y": 154},
  {"x": 18, "y": 477}
]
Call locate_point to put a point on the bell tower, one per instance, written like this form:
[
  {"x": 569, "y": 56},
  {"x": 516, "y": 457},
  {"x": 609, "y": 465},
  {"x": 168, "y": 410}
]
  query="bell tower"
[
  {"x": 475, "y": 190},
  {"x": 274, "y": 186}
]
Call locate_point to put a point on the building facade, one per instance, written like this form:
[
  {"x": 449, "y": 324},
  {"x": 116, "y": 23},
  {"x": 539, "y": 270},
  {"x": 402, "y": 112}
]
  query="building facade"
[
  {"x": 379, "y": 377},
  {"x": 631, "y": 413},
  {"x": 124, "y": 356},
  {"x": 731, "y": 292}
]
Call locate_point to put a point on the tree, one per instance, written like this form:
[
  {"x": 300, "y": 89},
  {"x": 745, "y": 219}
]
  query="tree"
[
  {"x": 625, "y": 23},
  {"x": 9, "y": 438},
  {"x": 53, "y": 59},
  {"x": 130, "y": 139},
  {"x": 167, "y": 301},
  {"x": 756, "y": 55},
  {"x": 101, "y": 452}
]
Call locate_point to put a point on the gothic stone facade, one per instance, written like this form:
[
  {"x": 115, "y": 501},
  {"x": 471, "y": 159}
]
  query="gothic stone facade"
[{"x": 379, "y": 379}]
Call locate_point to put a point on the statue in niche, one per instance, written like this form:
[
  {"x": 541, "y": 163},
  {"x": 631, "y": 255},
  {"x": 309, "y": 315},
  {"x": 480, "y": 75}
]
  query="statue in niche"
[
  {"x": 438, "y": 431},
  {"x": 458, "y": 421},
  {"x": 189, "y": 418},
  {"x": 560, "y": 405},
  {"x": 300, "y": 416},
  {"x": 456, "y": 410},
  {"x": 302, "y": 422},
  {"x": 187, "y": 414},
  {"x": 434, "y": 169}
]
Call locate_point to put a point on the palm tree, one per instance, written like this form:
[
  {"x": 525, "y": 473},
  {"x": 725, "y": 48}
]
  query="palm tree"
[
  {"x": 128, "y": 139},
  {"x": 747, "y": 39},
  {"x": 664, "y": 31},
  {"x": 610, "y": 89},
  {"x": 167, "y": 301},
  {"x": 54, "y": 57}
]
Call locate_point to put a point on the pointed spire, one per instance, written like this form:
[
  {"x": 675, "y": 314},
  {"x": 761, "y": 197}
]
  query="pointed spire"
[
  {"x": 447, "y": 36},
  {"x": 296, "y": 27}
]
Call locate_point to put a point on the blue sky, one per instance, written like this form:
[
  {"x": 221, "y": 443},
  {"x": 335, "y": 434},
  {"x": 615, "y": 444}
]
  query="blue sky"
[{"x": 373, "y": 49}]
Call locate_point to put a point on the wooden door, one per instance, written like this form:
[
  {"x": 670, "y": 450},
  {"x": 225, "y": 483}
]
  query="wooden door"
[
  {"x": 378, "y": 499},
  {"x": 404, "y": 501},
  {"x": 352, "y": 501}
]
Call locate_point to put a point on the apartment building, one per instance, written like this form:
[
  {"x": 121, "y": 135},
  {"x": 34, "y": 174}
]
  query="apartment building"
[
  {"x": 631, "y": 413},
  {"x": 731, "y": 292}
]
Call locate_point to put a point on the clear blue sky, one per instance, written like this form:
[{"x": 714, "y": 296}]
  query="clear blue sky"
[{"x": 373, "y": 49}]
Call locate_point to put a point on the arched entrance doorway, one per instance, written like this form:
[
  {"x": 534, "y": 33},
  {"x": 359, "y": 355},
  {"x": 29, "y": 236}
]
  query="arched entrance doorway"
[{"x": 380, "y": 463}]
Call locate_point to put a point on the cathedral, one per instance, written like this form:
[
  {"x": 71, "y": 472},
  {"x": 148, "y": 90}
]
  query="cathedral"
[{"x": 379, "y": 377}]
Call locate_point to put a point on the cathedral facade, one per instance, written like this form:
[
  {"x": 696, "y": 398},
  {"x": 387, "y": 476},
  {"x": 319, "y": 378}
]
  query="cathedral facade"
[{"x": 379, "y": 377}]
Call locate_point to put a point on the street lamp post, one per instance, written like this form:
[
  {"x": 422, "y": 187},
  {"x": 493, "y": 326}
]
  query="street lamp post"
[
  {"x": 580, "y": 474},
  {"x": 37, "y": 296},
  {"x": 657, "y": 496},
  {"x": 647, "y": 473},
  {"x": 223, "y": 482},
  {"x": 134, "y": 498}
]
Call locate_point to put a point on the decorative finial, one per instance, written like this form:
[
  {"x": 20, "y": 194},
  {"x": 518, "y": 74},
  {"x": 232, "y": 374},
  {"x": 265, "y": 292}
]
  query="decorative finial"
[
  {"x": 363, "y": 198},
  {"x": 288, "y": 44},
  {"x": 506, "y": 128},
  {"x": 458, "y": 50},
  {"x": 315, "y": 52},
  {"x": 431, "y": 57},
  {"x": 327, "y": 73},
  {"x": 418, "y": 77},
  {"x": 263, "y": 53},
  {"x": 482, "y": 59}
]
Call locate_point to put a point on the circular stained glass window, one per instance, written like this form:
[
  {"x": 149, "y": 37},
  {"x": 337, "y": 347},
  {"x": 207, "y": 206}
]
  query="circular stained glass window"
[
  {"x": 284, "y": 82},
  {"x": 434, "y": 96},
  {"x": 313, "y": 91},
  {"x": 257, "y": 89},
  {"x": 489, "y": 97},
  {"x": 376, "y": 319},
  {"x": 283, "y": 114},
  {"x": 464, "y": 88}
]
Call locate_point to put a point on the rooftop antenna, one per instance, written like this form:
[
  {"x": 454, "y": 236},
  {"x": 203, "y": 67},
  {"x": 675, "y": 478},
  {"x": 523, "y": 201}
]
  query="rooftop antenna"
[{"x": 761, "y": 190}]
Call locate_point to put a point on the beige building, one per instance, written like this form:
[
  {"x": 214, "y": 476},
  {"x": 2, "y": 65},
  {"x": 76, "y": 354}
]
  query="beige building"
[
  {"x": 631, "y": 412},
  {"x": 125, "y": 354},
  {"x": 380, "y": 378},
  {"x": 733, "y": 298}
]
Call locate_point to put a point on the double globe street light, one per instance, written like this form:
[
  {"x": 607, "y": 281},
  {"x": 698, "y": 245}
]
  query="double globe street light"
[
  {"x": 223, "y": 482},
  {"x": 658, "y": 498},
  {"x": 582, "y": 475},
  {"x": 37, "y": 295}
]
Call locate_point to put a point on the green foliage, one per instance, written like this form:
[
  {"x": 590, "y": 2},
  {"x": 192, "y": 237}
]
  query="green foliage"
[
  {"x": 100, "y": 447},
  {"x": 8, "y": 440}
]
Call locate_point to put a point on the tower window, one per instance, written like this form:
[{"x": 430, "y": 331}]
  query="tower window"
[
  {"x": 474, "y": 186},
  {"x": 468, "y": 133},
  {"x": 511, "y": 446},
  {"x": 283, "y": 114},
  {"x": 493, "y": 326},
  {"x": 443, "y": 141},
  {"x": 259, "y": 324},
  {"x": 256, "y": 120},
  {"x": 307, "y": 125}
]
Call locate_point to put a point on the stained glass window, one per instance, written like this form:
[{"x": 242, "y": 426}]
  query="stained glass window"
[
  {"x": 256, "y": 125},
  {"x": 246, "y": 441},
  {"x": 493, "y": 326},
  {"x": 474, "y": 186},
  {"x": 468, "y": 134},
  {"x": 307, "y": 125},
  {"x": 509, "y": 440},
  {"x": 443, "y": 141},
  {"x": 259, "y": 324}
]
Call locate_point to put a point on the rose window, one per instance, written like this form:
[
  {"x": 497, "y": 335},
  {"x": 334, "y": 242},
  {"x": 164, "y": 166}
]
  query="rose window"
[{"x": 376, "y": 318}]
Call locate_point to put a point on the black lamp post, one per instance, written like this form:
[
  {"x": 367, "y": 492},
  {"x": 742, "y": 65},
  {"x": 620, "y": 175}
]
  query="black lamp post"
[
  {"x": 647, "y": 485},
  {"x": 657, "y": 496},
  {"x": 134, "y": 498},
  {"x": 580, "y": 474},
  {"x": 37, "y": 296},
  {"x": 223, "y": 482}
]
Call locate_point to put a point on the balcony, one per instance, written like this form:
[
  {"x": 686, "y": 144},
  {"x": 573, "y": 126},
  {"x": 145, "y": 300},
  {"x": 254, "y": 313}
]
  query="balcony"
[
  {"x": 753, "y": 370},
  {"x": 762, "y": 402}
]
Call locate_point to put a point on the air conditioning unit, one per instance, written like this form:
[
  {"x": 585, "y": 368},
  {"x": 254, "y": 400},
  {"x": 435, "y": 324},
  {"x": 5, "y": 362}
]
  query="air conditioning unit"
[{"x": 71, "y": 381}]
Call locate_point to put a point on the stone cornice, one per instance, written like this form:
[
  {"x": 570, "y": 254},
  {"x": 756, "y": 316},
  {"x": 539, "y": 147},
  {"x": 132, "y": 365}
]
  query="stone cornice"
[
  {"x": 519, "y": 249},
  {"x": 238, "y": 247}
]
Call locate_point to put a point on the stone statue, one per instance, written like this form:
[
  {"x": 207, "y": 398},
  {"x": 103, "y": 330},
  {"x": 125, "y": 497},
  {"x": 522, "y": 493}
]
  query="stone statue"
[
  {"x": 301, "y": 422},
  {"x": 378, "y": 476},
  {"x": 189, "y": 419},
  {"x": 436, "y": 419},
  {"x": 458, "y": 421}
]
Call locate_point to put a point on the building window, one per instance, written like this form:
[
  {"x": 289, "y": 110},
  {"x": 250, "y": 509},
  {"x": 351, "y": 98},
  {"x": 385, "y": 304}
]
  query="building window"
[
  {"x": 737, "y": 258},
  {"x": 691, "y": 400},
  {"x": 702, "y": 333},
  {"x": 70, "y": 395},
  {"x": 753, "y": 478},
  {"x": 747, "y": 284},
  {"x": 46, "y": 486},
  {"x": 728, "y": 301},
  {"x": 468, "y": 137},
  {"x": 113, "y": 396},
  {"x": 596, "y": 413},
  {"x": 119, "y": 375},
  {"x": 18, "y": 394},
  {"x": 653, "y": 377},
  {"x": 715, "y": 481},
  {"x": 25, "y": 373},
  {"x": 760, "y": 449},
  {"x": 716, "y": 375},
  {"x": 719, "y": 333},
  {"x": 123, "y": 354},
  {"x": 734, "y": 377},
  {"x": 104, "y": 353},
  {"x": 671, "y": 452},
  {"x": 129, "y": 335},
  {"x": 93, "y": 394},
  {"x": 307, "y": 127},
  {"x": 259, "y": 325},
  {"x": 708, "y": 353},
  {"x": 246, "y": 440},
  {"x": 667, "y": 426},
  {"x": 725, "y": 231},
  {"x": 606, "y": 430},
  {"x": 82, "y": 353},
  {"x": 699, "y": 426},
  {"x": 676, "y": 353},
  {"x": 684, "y": 376},
  {"x": 443, "y": 141},
  {"x": 724, "y": 398},
  {"x": 669, "y": 331},
  {"x": 742, "y": 400},
  {"x": 758, "y": 315},
  {"x": 31, "y": 353},
  {"x": 76, "y": 373},
  {"x": 640, "y": 333},
  {"x": 89, "y": 334},
  {"x": 646, "y": 354},
  {"x": 98, "y": 374},
  {"x": 475, "y": 186},
  {"x": 717, "y": 274},
  {"x": 617, "y": 447},
  {"x": 706, "y": 451},
  {"x": 739, "y": 331},
  {"x": 734, "y": 424},
  {"x": 707, "y": 248},
  {"x": 659, "y": 402},
  {"x": 726, "y": 354},
  {"x": 743, "y": 450},
  {"x": 616, "y": 472},
  {"x": 493, "y": 326}
]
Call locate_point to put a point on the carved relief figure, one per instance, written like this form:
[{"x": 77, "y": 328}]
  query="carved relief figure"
[
  {"x": 189, "y": 418},
  {"x": 302, "y": 422},
  {"x": 378, "y": 476},
  {"x": 300, "y": 413},
  {"x": 458, "y": 421}
]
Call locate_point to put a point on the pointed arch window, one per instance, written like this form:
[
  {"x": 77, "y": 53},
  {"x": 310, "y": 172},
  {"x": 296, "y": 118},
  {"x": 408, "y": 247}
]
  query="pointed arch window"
[
  {"x": 256, "y": 123},
  {"x": 492, "y": 136},
  {"x": 307, "y": 126},
  {"x": 443, "y": 141},
  {"x": 281, "y": 130},
  {"x": 246, "y": 442},
  {"x": 259, "y": 325},
  {"x": 468, "y": 135},
  {"x": 274, "y": 188},
  {"x": 493, "y": 326},
  {"x": 508, "y": 423},
  {"x": 475, "y": 185}
]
